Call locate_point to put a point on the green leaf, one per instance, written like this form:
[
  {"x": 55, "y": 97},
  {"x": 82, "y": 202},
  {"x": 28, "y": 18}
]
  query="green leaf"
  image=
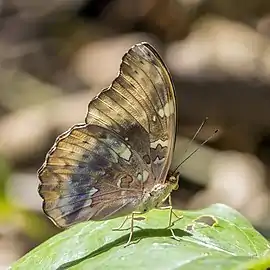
[{"x": 217, "y": 237}]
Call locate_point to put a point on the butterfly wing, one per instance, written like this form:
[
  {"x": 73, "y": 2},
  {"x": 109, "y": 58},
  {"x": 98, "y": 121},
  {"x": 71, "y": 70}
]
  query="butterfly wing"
[
  {"x": 91, "y": 173},
  {"x": 99, "y": 170},
  {"x": 141, "y": 103}
]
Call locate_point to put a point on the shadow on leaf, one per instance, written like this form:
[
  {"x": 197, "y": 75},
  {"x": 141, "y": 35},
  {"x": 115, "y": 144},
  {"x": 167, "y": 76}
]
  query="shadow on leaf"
[{"x": 137, "y": 236}]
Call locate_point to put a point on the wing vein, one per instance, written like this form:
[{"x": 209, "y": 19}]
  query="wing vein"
[{"x": 146, "y": 75}]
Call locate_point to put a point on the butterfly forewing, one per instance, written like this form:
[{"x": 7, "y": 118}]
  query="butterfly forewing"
[
  {"x": 101, "y": 169},
  {"x": 139, "y": 103}
]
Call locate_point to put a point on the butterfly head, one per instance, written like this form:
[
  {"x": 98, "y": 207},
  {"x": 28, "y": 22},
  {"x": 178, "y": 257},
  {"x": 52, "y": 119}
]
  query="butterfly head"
[{"x": 173, "y": 179}]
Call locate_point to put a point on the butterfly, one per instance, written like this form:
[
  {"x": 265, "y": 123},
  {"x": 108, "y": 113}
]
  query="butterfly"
[{"x": 116, "y": 163}]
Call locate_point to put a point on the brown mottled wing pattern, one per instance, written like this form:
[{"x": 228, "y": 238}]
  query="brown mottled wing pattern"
[
  {"x": 100, "y": 169},
  {"x": 140, "y": 103},
  {"x": 88, "y": 174}
]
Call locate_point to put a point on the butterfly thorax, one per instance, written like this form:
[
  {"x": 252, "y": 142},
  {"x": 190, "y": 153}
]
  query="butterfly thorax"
[{"x": 158, "y": 194}]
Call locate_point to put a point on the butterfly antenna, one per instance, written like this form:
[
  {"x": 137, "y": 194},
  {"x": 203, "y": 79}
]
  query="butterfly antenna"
[
  {"x": 196, "y": 150},
  {"x": 196, "y": 133}
]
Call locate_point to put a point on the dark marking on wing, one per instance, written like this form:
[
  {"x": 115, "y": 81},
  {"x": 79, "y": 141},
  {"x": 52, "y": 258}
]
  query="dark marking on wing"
[
  {"x": 159, "y": 152},
  {"x": 125, "y": 181},
  {"x": 147, "y": 159}
]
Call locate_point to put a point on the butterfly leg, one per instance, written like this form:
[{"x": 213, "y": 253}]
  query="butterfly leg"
[
  {"x": 170, "y": 219},
  {"x": 131, "y": 230},
  {"x": 171, "y": 213},
  {"x": 171, "y": 223},
  {"x": 131, "y": 227},
  {"x": 122, "y": 224}
]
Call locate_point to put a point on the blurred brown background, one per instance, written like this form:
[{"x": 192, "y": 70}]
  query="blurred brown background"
[{"x": 56, "y": 55}]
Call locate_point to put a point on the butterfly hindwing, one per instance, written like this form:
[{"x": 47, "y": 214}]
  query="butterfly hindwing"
[
  {"x": 140, "y": 100},
  {"x": 91, "y": 173}
]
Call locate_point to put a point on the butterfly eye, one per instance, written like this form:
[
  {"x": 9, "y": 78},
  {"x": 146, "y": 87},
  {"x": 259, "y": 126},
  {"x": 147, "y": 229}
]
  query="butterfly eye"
[{"x": 172, "y": 179}]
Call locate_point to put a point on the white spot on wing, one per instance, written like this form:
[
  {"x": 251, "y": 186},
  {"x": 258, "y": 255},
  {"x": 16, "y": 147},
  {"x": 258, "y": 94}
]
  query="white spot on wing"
[
  {"x": 161, "y": 113},
  {"x": 125, "y": 153},
  {"x": 154, "y": 118},
  {"x": 119, "y": 182},
  {"x": 139, "y": 177},
  {"x": 145, "y": 175},
  {"x": 158, "y": 161},
  {"x": 168, "y": 108},
  {"x": 92, "y": 191},
  {"x": 157, "y": 142}
]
